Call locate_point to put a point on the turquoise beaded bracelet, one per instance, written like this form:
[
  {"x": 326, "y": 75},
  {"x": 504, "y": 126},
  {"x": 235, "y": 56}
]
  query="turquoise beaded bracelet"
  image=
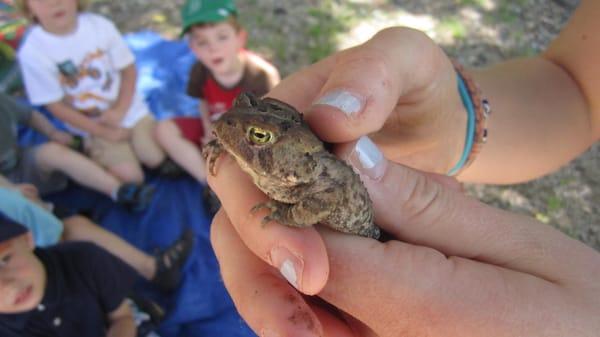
[{"x": 478, "y": 110}]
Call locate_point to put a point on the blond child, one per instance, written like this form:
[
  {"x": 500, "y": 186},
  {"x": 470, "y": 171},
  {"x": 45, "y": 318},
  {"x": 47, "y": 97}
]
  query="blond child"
[
  {"x": 78, "y": 66},
  {"x": 224, "y": 69},
  {"x": 49, "y": 165}
]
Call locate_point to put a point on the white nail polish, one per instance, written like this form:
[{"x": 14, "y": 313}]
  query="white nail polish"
[
  {"x": 290, "y": 266},
  {"x": 288, "y": 271},
  {"x": 349, "y": 103},
  {"x": 367, "y": 158}
]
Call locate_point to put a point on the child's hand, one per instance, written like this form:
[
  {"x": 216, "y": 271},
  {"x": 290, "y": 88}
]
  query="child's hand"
[
  {"x": 61, "y": 137},
  {"x": 206, "y": 139},
  {"x": 116, "y": 134},
  {"x": 112, "y": 117}
]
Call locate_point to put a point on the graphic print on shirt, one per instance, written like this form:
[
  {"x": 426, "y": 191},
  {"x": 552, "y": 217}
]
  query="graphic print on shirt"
[{"x": 88, "y": 85}]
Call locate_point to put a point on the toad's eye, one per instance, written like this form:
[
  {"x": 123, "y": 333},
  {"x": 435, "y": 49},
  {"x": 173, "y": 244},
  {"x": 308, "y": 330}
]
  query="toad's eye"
[{"x": 260, "y": 136}]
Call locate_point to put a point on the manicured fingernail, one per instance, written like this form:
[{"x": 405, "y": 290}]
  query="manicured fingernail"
[
  {"x": 289, "y": 265},
  {"x": 349, "y": 103},
  {"x": 367, "y": 158}
]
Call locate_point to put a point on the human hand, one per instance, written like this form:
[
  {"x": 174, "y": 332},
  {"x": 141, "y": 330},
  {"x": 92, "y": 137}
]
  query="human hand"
[
  {"x": 206, "y": 139},
  {"x": 116, "y": 134},
  {"x": 29, "y": 191},
  {"x": 112, "y": 117},
  {"x": 404, "y": 95},
  {"x": 455, "y": 267},
  {"x": 61, "y": 137}
]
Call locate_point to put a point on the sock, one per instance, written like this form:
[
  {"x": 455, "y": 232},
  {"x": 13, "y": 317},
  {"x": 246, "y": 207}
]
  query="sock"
[{"x": 115, "y": 193}]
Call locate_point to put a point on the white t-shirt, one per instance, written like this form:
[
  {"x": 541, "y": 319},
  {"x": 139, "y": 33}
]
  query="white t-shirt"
[{"x": 83, "y": 68}]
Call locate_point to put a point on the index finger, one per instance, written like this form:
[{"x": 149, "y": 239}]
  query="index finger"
[{"x": 299, "y": 253}]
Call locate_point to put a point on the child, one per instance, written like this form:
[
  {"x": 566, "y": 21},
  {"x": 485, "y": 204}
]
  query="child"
[
  {"x": 72, "y": 289},
  {"x": 21, "y": 204},
  {"x": 79, "y": 67},
  {"x": 224, "y": 69},
  {"x": 47, "y": 165}
]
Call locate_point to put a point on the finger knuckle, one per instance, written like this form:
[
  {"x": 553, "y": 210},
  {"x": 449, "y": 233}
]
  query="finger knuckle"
[{"x": 422, "y": 201}]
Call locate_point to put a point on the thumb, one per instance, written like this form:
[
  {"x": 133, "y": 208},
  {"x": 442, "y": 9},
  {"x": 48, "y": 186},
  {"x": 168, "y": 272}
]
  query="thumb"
[{"x": 368, "y": 82}]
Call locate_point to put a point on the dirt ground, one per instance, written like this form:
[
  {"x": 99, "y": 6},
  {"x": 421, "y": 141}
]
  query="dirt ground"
[{"x": 295, "y": 33}]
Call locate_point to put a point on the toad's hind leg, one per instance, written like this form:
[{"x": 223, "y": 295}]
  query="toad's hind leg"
[
  {"x": 302, "y": 214},
  {"x": 211, "y": 152}
]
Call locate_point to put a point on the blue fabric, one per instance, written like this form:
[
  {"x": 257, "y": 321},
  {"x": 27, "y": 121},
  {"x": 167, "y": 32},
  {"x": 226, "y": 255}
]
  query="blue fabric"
[
  {"x": 44, "y": 226},
  {"x": 163, "y": 69},
  {"x": 201, "y": 307}
]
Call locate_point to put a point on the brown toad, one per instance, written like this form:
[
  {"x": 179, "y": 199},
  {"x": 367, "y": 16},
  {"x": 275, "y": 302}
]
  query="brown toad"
[{"x": 306, "y": 183}]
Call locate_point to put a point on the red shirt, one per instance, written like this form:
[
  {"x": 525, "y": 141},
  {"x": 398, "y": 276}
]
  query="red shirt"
[{"x": 218, "y": 98}]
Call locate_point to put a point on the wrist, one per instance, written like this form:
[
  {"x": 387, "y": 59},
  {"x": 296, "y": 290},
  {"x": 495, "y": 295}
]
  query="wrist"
[
  {"x": 477, "y": 111},
  {"x": 458, "y": 130}
]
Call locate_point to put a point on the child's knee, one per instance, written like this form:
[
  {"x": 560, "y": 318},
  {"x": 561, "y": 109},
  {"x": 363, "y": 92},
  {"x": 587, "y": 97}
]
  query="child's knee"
[
  {"x": 128, "y": 172},
  {"x": 51, "y": 150},
  {"x": 50, "y": 156}
]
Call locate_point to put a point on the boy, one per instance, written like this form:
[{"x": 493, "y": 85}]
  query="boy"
[
  {"x": 21, "y": 204},
  {"x": 224, "y": 69},
  {"x": 74, "y": 289},
  {"x": 78, "y": 66},
  {"x": 48, "y": 165}
]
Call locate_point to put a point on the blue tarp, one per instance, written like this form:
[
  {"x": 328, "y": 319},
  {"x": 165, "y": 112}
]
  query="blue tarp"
[{"x": 201, "y": 307}]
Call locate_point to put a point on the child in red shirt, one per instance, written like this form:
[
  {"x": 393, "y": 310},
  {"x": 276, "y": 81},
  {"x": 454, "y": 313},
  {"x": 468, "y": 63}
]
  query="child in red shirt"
[{"x": 224, "y": 70}]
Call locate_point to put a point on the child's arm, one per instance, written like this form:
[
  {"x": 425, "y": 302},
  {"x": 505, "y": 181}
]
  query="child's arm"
[
  {"x": 71, "y": 116},
  {"x": 114, "y": 115},
  {"x": 40, "y": 123},
  {"x": 206, "y": 122},
  {"x": 120, "y": 322}
]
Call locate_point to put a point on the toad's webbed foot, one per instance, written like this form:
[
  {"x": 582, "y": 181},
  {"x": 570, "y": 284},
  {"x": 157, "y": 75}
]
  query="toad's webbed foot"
[
  {"x": 279, "y": 212},
  {"x": 211, "y": 152}
]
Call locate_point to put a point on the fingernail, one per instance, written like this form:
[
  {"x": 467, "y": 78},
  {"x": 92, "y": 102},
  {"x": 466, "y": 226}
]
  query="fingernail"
[
  {"x": 289, "y": 265},
  {"x": 349, "y": 103},
  {"x": 367, "y": 158}
]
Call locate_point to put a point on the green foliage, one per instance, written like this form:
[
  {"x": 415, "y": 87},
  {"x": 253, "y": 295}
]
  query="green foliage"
[
  {"x": 479, "y": 3},
  {"x": 326, "y": 22},
  {"x": 454, "y": 26},
  {"x": 554, "y": 203}
]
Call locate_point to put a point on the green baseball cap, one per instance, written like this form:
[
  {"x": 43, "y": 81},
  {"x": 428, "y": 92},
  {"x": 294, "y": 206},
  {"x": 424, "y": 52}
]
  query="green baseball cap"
[{"x": 201, "y": 11}]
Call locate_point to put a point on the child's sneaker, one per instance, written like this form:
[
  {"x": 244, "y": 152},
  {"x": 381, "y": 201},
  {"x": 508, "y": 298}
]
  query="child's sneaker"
[
  {"x": 170, "y": 260},
  {"x": 135, "y": 197}
]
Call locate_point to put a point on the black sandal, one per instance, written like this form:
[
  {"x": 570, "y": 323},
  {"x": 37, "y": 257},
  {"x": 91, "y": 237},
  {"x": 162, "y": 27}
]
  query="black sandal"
[{"x": 170, "y": 260}]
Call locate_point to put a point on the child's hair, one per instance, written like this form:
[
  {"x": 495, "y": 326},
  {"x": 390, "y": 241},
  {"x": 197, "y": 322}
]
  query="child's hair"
[
  {"x": 22, "y": 7},
  {"x": 231, "y": 19}
]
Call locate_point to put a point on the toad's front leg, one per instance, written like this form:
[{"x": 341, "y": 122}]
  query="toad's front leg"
[{"x": 211, "y": 152}]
